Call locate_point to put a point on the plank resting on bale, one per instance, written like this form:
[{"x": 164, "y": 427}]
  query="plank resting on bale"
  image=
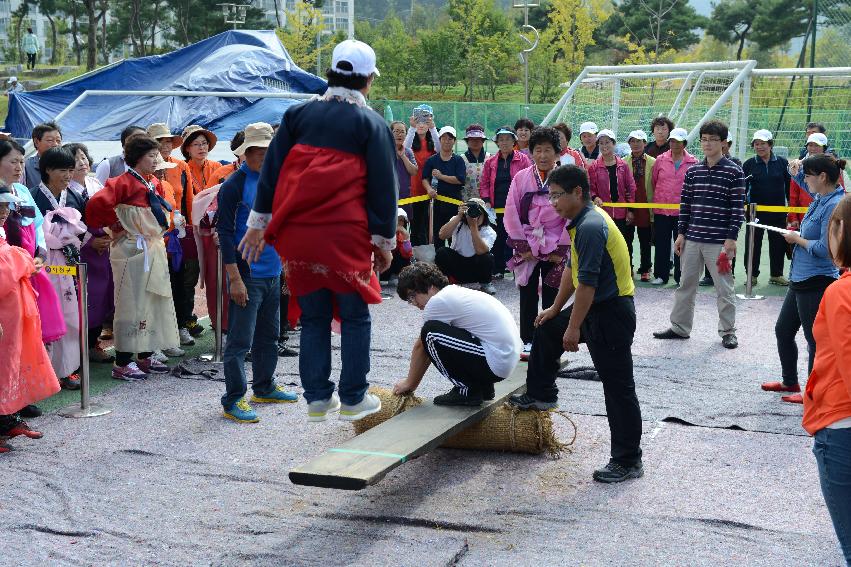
[{"x": 367, "y": 458}]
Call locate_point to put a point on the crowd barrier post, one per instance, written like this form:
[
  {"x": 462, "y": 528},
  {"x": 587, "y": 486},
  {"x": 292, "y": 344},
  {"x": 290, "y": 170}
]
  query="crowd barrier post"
[
  {"x": 86, "y": 409},
  {"x": 748, "y": 280},
  {"x": 218, "y": 354}
]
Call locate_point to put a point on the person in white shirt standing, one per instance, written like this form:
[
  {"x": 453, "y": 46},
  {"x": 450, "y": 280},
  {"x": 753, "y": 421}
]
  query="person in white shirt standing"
[
  {"x": 469, "y": 336},
  {"x": 468, "y": 259},
  {"x": 31, "y": 47}
]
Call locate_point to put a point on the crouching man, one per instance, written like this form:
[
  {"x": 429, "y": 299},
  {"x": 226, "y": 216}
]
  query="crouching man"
[
  {"x": 469, "y": 336},
  {"x": 602, "y": 316}
]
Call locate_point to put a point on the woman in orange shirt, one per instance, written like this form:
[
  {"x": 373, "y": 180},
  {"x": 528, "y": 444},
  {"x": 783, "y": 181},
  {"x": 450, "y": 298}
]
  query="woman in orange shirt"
[{"x": 827, "y": 400}]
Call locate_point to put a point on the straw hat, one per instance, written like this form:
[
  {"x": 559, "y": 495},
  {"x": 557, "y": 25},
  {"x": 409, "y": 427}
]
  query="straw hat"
[
  {"x": 160, "y": 130},
  {"x": 192, "y": 129},
  {"x": 160, "y": 163},
  {"x": 257, "y": 135}
]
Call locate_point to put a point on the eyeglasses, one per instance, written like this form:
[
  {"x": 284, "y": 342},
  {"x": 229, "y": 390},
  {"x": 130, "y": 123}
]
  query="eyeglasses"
[
  {"x": 199, "y": 144},
  {"x": 709, "y": 140},
  {"x": 555, "y": 196}
]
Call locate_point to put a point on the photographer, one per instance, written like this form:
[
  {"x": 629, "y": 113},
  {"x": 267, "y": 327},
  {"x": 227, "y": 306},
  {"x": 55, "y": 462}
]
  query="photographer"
[{"x": 468, "y": 259}]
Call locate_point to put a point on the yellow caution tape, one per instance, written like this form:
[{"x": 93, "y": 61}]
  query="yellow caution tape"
[
  {"x": 60, "y": 270},
  {"x": 421, "y": 198}
]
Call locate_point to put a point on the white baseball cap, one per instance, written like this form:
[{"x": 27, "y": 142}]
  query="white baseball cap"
[
  {"x": 817, "y": 138},
  {"x": 447, "y": 130},
  {"x": 12, "y": 80},
  {"x": 358, "y": 55},
  {"x": 678, "y": 134},
  {"x": 638, "y": 135},
  {"x": 762, "y": 135},
  {"x": 400, "y": 212},
  {"x": 608, "y": 134},
  {"x": 588, "y": 127}
]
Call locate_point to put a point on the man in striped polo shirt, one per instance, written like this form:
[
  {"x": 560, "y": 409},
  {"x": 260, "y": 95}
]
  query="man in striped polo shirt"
[{"x": 711, "y": 213}]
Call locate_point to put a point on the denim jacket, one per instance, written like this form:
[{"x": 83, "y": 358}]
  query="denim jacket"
[{"x": 814, "y": 260}]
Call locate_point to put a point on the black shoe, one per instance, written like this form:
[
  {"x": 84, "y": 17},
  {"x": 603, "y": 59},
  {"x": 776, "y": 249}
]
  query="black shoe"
[
  {"x": 614, "y": 472},
  {"x": 194, "y": 328},
  {"x": 525, "y": 401},
  {"x": 706, "y": 281},
  {"x": 668, "y": 334},
  {"x": 488, "y": 392},
  {"x": 285, "y": 351},
  {"x": 730, "y": 341},
  {"x": 454, "y": 398},
  {"x": 30, "y": 411}
]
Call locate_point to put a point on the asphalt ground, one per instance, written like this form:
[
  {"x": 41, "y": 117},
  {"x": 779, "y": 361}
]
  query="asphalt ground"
[{"x": 165, "y": 480}]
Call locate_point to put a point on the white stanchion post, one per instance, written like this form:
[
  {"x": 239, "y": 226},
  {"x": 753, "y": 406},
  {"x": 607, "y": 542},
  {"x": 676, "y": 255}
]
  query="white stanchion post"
[
  {"x": 748, "y": 282},
  {"x": 86, "y": 409}
]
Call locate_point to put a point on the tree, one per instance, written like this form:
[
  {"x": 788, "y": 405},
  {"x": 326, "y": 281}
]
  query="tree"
[
  {"x": 658, "y": 26},
  {"x": 304, "y": 24},
  {"x": 732, "y": 21},
  {"x": 574, "y": 23},
  {"x": 546, "y": 72},
  {"x": 440, "y": 58},
  {"x": 394, "y": 50}
]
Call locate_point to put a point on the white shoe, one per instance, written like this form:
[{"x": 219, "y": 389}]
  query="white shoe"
[
  {"x": 173, "y": 352},
  {"x": 369, "y": 405},
  {"x": 318, "y": 410},
  {"x": 185, "y": 338},
  {"x": 527, "y": 350},
  {"x": 657, "y": 281},
  {"x": 159, "y": 356},
  {"x": 489, "y": 288}
]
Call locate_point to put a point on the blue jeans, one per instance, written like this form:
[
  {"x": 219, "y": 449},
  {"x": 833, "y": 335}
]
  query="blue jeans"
[
  {"x": 255, "y": 326},
  {"x": 832, "y": 449},
  {"x": 314, "y": 357}
]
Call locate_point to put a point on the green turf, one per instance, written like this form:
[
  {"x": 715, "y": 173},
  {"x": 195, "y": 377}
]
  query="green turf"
[{"x": 101, "y": 374}]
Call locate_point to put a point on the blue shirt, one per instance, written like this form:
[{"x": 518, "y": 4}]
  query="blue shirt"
[
  {"x": 814, "y": 260},
  {"x": 236, "y": 197},
  {"x": 455, "y": 166}
]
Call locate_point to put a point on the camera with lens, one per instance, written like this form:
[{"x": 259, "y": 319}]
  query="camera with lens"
[{"x": 474, "y": 210}]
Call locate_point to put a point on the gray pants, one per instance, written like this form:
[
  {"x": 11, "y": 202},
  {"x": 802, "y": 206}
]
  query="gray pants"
[{"x": 694, "y": 256}]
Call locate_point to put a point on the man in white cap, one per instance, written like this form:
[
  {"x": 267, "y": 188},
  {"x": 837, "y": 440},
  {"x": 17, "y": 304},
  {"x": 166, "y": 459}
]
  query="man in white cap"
[
  {"x": 815, "y": 128},
  {"x": 588, "y": 137},
  {"x": 326, "y": 200},
  {"x": 767, "y": 182},
  {"x": 254, "y": 288},
  {"x": 13, "y": 86}
]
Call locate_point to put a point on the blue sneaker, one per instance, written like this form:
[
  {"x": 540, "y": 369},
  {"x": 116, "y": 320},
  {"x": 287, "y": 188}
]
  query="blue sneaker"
[
  {"x": 276, "y": 396},
  {"x": 242, "y": 412}
]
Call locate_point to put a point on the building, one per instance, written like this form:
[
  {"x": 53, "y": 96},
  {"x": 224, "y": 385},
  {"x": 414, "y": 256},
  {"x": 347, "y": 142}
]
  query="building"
[
  {"x": 35, "y": 20},
  {"x": 339, "y": 15}
]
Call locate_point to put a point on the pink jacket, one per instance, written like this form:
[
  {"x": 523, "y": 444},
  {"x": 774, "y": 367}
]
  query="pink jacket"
[
  {"x": 598, "y": 177},
  {"x": 668, "y": 181},
  {"x": 518, "y": 161},
  {"x": 545, "y": 228}
]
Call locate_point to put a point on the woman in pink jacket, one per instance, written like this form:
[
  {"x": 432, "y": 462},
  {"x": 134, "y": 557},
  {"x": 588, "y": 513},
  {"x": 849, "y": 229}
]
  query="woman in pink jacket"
[
  {"x": 612, "y": 182},
  {"x": 498, "y": 172},
  {"x": 669, "y": 173},
  {"x": 535, "y": 232}
]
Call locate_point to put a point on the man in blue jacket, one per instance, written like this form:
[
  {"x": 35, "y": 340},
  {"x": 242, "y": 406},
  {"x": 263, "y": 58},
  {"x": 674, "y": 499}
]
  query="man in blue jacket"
[{"x": 255, "y": 289}]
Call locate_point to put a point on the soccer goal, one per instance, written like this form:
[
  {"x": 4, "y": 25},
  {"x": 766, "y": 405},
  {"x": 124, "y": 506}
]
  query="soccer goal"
[{"x": 628, "y": 97}]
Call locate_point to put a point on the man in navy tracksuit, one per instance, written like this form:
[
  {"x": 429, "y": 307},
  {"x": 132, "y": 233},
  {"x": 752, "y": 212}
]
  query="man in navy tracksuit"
[{"x": 255, "y": 289}]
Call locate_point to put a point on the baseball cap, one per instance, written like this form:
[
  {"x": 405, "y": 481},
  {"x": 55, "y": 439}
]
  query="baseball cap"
[
  {"x": 447, "y": 130},
  {"x": 817, "y": 138},
  {"x": 588, "y": 127},
  {"x": 638, "y": 135},
  {"x": 608, "y": 134},
  {"x": 12, "y": 80},
  {"x": 400, "y": 212},
  {"x": 763, "y": 135},
  {"x": 678, "y": 134},
  {"x": 355, "y": 54}
]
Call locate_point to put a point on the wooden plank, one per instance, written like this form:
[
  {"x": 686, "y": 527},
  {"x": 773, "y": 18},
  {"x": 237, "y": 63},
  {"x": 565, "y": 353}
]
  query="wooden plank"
[{"x": 367, "y": 458}]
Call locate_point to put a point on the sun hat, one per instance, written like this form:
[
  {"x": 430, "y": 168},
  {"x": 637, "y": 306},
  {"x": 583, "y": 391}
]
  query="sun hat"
[
  {"x": 160, "y": 130},
  {"x": 257, "y": 135},
  {"x": 160, "y": 163},
  {"x": 355, "y": 54},
  {"x": 193, "y": 129}
]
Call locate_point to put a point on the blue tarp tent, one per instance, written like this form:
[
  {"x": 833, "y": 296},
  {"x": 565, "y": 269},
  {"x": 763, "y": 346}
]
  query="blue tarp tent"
[{"x": 238, "y": 61}]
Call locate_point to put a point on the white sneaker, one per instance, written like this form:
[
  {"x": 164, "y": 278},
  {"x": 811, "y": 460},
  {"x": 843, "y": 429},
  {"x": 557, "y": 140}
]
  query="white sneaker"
[
  {"x": 369, "y": 405},
  {"x": 318, "y": 410},
  {"x": 185, "y": 338},
  {"x": 159, "y": 356},
  {"x": 657, "y": 281},
  {"x": 527, "y": 350},
  {"x": 489, "y": 288},
  {"x": 173, "y": 352}
]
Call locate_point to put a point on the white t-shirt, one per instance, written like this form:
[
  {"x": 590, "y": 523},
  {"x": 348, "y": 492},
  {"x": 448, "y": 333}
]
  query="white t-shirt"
[
  {"x": 485, "y": 318},
  {"x": 462, "y": 239}
]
